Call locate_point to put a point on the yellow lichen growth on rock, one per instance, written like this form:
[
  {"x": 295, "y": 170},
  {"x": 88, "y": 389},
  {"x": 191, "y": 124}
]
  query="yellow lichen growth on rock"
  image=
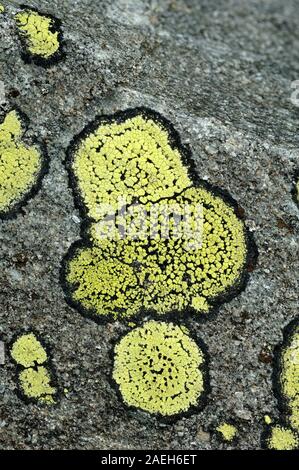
[
  {"x": 282, "y": 438},
  {"x": 34, "y": 378},
  {"x": 132, "y": 159},
  {"x": 136, "y": 159},
  {"x": 228, "y": 431},
  {"x": 267, "y": 419},
  {"x": 158, "y": 368},
  {"x": 28, "y": 351},
  {"x": 35, "y": 383},
  {"x": 290, "y": 378},
  {"x": 286, "y": 436},
  {"x": 2, "y": 9},
  {"x": 20, "y": 164},
  {"x": 39, "y": 33}
]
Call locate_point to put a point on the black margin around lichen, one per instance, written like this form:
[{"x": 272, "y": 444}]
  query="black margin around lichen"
[
  {"x": 294, "y": 190},
  {"x": 15, "y": 208},
  {"x": 56, "y": 26},
  {"x": 48, "y": 364},
  {"x": 84, "y": 241},
  {"x": 219, "y": 436},
  {"x": 282, "y": 402},
  {"x": 204, "y": 369}
]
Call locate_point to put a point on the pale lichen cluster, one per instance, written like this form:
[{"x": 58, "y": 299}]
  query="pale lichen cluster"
[
  {"x": 39, "y": 34},
  {"x": 20, "y": 164},
  {"x": 227, "y": 431},
  {"x": 120, "y": 276},
  {"x": 121, "y": 169},
  {"x": 34, "y": 376},
  {"x": 286, "y": 436},
  {"x": 159, "y": 369}
]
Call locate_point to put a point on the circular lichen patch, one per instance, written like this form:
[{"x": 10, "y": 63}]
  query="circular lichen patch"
[
  {"x": 28, "y": 351},
  {"x": 282, "y": 438},
  {"x": 158, "y": 368},
  {"x": 227, "y": 431}
]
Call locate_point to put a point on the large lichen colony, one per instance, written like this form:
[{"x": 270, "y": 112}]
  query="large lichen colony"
[
  {"x": 286, "y": 436},
  {"x": 20, "y": 164},
  {"x": 140, "y": 252},
  {"x": 39, "y": 33},
  {"x": 125, "y": 167},
  {"x": 159, "y": 368},
  {"x": 34, "y": 377}
]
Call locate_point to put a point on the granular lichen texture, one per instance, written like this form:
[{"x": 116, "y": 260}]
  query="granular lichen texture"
[
  {"x": 34, "y": 376},
  {"x": 28, "y": 351},
  {"x": 285, "y": 436},
  {"x": 227, "y": 431},
  {"x": 158, "y": 368},
  {"x": 126, "y": 169},
  {"x": 282, "y": 438},
  {"x": 2, "y": 9},
  {"x": 20, "y": 164},
  {"x": 41, "y": 36}
]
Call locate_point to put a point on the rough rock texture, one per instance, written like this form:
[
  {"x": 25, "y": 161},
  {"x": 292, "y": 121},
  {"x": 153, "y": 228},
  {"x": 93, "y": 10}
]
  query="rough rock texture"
[{"x": 221, "y": 71}]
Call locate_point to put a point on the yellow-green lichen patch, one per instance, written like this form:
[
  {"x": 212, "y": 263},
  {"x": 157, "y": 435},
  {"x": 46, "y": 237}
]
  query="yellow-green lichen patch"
[
  {"x": 158, "y": 368},
  {"x": 132, "y": 159},
  {"x": 34, "y": 376},
  {"x": 136, "y": 157},
  {"x": 282, "y": 438},
  {"x": 105, "y": 286},
  {"x": 2, "y": 9},
  {"x": 285, "y": 436},
  {"x": 40, "y": 34},
  {"x": 20, "y": 164},
  {"x": 227, "y": 431},
  {"x": 267, "y": 419},
  {"x": 289, "y": 377},
  {"x": 35, "y": 384},
  {"x": 28, "y": 351}
]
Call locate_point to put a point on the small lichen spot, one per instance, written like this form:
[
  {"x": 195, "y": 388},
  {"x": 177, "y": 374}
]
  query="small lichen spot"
[
  {"x": 40, "y": 35},
  {"x": 227, "y": 431},
  {"x": 27, "y": 350},
  {"x": 34, "y": 378}
]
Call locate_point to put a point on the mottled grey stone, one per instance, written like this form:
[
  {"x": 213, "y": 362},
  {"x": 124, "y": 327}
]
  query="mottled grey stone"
[{"x": 221, "y": 71}]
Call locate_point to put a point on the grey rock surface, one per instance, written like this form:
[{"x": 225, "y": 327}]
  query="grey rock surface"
[{"x": 221, "y": 71}]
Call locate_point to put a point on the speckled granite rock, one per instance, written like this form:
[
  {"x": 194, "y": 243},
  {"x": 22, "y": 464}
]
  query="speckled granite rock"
[{"x": 221, "y": 71}]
